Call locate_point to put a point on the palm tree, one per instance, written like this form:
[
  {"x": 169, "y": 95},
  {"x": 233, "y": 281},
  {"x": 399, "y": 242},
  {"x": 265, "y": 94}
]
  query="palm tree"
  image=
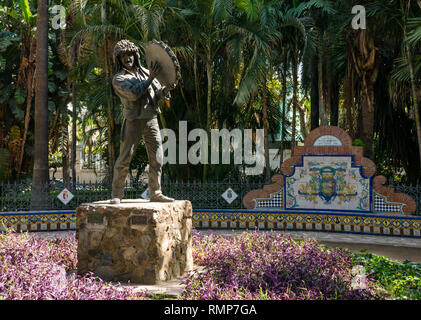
[
  {"x": 262, "y": 35},
  {"x": 27, "y": 71},
  {"x": 41, "y": 173},
  {"x": 411, "y": 71}
]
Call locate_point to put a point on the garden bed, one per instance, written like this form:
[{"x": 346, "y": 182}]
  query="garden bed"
[{"x": 253, "y": 265}]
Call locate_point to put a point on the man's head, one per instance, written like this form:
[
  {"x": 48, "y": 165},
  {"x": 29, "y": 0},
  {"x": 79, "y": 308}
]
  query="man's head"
[
  {"x": 127, "y": 59},
  {"x": 126, "y": 55}
]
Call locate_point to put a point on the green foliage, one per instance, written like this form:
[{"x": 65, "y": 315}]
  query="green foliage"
[
  {"x": 140, "y": 160},
  {"x": 235, "y": 45},
  {"x": 358, "y": 142},
  {"x": 402, "y": 280},
  {"x": 20, "y": 96},
  {"x": 7, "y": 39},
  {"x": 26, "y": 12}
]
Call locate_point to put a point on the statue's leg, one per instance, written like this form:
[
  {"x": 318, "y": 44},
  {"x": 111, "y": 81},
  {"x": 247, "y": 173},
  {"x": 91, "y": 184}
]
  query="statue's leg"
[
  {"x": 129, "y": 140},
  {"x": 153, "y": 143}
]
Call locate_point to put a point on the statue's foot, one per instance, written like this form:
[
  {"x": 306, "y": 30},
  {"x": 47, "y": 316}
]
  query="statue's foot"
[
  {"x": 115, "y": 201},
  {"x": 161, "y": 198}
]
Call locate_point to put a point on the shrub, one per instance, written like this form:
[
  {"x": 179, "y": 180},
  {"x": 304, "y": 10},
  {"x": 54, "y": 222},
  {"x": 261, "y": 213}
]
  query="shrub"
[
  {"x": 358, "y": 143},
  {"x": 401, "y": 280},
  {"x": 271, "y": 266},
  {"x": 37, "y": 269}
]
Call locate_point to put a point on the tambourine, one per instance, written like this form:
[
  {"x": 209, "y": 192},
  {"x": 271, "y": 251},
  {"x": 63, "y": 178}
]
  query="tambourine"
[{"x": 170, "y": 74}]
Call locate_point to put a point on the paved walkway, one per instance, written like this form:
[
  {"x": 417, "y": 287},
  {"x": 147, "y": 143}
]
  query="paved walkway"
[{"x": 396, "y": 248}]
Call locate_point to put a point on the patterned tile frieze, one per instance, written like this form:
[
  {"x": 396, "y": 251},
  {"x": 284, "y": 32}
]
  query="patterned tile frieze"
[
  {"x": 391, "y": 225},
  {"x": 38, "y": 221},
  {"x": 397, "y": 225}
]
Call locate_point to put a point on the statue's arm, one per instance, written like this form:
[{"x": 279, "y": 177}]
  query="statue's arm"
[
  {"x": 129, "y": 90},
  {"x": 164, "y": 94}
]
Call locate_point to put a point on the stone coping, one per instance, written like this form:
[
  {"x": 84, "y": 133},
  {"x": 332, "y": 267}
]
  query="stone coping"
[{"x": 132, "y": 203}]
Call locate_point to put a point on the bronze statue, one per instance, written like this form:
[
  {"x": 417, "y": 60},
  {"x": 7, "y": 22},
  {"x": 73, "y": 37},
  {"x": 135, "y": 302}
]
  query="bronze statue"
[{"x": 139, "y": 91}]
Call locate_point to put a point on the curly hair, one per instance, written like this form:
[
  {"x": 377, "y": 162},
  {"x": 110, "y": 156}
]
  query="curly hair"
[{"x": 124, "y": 46}]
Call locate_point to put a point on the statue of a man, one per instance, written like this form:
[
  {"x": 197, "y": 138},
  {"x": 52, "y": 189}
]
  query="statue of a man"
[{"x": 139, "y": 92}]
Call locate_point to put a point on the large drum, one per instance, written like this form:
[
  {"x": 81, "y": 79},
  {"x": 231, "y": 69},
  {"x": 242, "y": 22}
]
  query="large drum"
[{"x": 170, "y": 74}]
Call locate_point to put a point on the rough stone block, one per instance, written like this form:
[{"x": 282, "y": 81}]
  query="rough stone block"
[{"x": 137, "y": 240}]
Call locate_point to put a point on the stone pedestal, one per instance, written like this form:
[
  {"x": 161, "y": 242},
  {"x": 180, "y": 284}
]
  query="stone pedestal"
[{"x": 137, "y": 240}]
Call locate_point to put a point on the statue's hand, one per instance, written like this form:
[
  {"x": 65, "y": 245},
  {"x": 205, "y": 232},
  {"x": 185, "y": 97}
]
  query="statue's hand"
[
  {"x": 155, "y": 69},
  {"x": 165, "y": 91}
]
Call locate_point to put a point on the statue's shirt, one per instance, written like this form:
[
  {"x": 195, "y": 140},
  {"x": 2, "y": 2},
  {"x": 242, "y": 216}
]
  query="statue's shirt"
[{"x": 139, "y": 99}]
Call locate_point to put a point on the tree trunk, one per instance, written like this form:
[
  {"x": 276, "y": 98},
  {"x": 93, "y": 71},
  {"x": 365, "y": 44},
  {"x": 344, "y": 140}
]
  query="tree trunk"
[
  {"x": 349, "y": 95},
  {"x": 109, "y": 100},
  {"x": 334, "y": 102},
  {"x": 40, "y": 176},
  {"x": 209, "y": 97},
  {"x": 414, "y": 101},
  {"x": 294, "y": 101},
  {"x": 208, "y": 105},
  {"x": 366, "y": 65},
  {"x": 303, "y": 128},
  {"x": 65, "y": 145},
  {"x": 74, "y": 133},
  {"x": 196, "y": 82},
  {"x": 368, "y": 122},
  {"x": 322, "y": 106},
  {"x": 266, "y": 128},
  {"x": 413, "y": 87},
  {"x": 30, "y": 90},
  {"x": 284, "y": 105},
  {"x": 90, "y": 154},
  {"x": 314, "y": 94}
]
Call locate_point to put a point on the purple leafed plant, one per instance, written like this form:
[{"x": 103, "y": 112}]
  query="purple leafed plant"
[
  {"x": 262, "y": 265},
  {"x": 37, "y": 269}
]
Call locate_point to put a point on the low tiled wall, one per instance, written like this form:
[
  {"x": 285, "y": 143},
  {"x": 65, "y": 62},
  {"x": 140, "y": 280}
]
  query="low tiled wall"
[
  {"x": 310, "y": 221},
  {"x": 390, "y": 225},
  {"x": 39, "y": 221}
]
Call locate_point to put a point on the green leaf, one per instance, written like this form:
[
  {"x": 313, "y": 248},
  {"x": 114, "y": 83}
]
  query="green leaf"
[
  {"x": 6, "y": 94},
  {"x": 63, "y": 92},
  {"x": 26, "y": 12},
  {"x": 60, "y": 74},
  {"x": 20, "y": 96},
  {"x": 51, "y": 86},
  {"x": 51, "y": 106},
  {"x": 6, "y": 40},
  {"x": 2, "y": 63},
  {"x": 18, "y": 113}
]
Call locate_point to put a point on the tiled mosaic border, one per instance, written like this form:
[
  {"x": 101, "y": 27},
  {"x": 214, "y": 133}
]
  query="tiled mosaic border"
[
  {"x": 38, "y": 221},
  {"x": 385, "y": 225},
  {"x": 309, "y": 221}
]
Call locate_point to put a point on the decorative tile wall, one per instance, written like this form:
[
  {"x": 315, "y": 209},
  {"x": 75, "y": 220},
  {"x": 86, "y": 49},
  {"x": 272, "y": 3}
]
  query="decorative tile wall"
[
  {"x": 329, "y": 174},
  {"x": 38, "y": 221},
  {"x": 390, "y": 225},
  {"x": 327, "y": 182},
  {"x": 310, "y": 221}
]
